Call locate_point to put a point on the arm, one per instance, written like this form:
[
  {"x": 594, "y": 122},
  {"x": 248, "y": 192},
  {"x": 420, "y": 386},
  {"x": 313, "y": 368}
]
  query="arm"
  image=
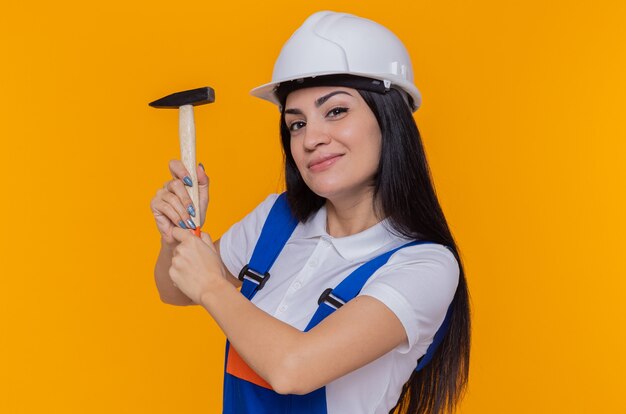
[
  {"x": 360, "y": 332},
  {"x": 169, "y": 293},
  {"x": 295, "y": 362},
  {"x": 229, "y": 276}
]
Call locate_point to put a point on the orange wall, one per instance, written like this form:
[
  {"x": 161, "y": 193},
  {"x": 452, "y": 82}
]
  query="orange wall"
[{"x": 523, "y": 122}]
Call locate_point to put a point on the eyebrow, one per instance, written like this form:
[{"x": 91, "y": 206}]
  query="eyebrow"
[{"x": 319, "y": 102}]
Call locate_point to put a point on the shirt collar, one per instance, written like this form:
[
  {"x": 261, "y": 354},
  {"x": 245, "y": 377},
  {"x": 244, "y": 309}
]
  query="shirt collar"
[{"x": 350, "y": 247}]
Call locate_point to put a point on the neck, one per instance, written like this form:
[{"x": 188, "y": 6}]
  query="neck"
[{"x": 350, "y": 216}]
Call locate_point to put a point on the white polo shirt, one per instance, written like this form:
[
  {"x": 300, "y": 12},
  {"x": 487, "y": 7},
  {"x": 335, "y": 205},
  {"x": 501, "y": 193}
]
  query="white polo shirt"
[{"x": 417, "y": 284}]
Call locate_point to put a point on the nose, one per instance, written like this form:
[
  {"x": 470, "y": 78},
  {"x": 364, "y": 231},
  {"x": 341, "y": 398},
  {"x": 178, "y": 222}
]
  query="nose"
[{"x": 315, "y": 134}]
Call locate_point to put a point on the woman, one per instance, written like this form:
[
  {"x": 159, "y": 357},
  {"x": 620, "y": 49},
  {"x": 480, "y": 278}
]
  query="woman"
[{"x": 358, "y": 193}]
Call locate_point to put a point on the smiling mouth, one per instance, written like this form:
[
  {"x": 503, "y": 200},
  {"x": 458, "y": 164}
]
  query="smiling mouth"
[{"x": 324, "y": 162}]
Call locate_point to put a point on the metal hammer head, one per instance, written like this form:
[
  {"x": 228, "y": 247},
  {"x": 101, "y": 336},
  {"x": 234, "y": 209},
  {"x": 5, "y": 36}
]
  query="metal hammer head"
[{"x": 193, "y": 97}]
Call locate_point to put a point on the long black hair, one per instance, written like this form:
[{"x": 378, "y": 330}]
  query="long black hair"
[{"x": 404, "y": 193}]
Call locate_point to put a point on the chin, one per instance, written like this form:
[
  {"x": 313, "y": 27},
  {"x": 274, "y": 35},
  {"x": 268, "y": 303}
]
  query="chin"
[
  {"x": 332, "y": 189},
  {"x": 325, "y": 189},
  {"x": 332, "y": 193}
]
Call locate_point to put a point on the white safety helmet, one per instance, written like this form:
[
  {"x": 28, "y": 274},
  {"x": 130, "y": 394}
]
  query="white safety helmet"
[{"x": 330, "y": 43}]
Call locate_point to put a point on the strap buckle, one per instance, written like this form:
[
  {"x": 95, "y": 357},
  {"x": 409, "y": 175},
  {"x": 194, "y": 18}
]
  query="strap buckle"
[
  {"x": 254, "y": 276},
  {"x": 332, "y": 300}
]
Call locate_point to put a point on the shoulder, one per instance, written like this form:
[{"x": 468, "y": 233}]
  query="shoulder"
[
  {"x": 263, "y": 208},
  {"x": 429, "y": 269},
  {"x": 237, "y": 244},
  {"x": 432, "y": 255}
]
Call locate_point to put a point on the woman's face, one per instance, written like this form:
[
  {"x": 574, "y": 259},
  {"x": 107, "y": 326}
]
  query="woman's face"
[{"x": 335, "y": 140}]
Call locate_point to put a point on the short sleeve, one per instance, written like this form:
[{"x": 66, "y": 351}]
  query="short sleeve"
[
  {"x": 417, "y": 284},
  {"x": 237, "y": 244}
]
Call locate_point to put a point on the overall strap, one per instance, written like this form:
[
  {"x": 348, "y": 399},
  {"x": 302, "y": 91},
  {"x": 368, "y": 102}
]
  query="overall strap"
[
  {"x": 439, "y": 335},
  {"x": 277, "y": 229},
  {"x": 349, "y": 288}
]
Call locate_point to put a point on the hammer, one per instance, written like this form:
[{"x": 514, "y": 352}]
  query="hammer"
[{"x": 185, "y": 101}]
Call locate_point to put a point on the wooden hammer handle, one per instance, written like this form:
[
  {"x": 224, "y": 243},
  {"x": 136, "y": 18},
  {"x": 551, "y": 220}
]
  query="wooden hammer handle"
[{"x": 187, "y": 135}]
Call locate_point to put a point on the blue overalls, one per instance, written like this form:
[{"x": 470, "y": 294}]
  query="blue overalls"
[{"x": 245, "y": 392}]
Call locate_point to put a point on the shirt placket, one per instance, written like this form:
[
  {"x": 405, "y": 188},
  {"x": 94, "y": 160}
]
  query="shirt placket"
[{"x": 308, "y": 270}]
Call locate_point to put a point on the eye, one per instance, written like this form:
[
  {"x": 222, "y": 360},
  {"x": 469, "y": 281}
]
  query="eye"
[
  {"x": 335, "y": 112},
  {"x": 294, "y": 126}
]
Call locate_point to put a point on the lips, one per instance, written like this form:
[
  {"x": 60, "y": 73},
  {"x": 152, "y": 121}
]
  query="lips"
[{"x": 323, "y": 161}]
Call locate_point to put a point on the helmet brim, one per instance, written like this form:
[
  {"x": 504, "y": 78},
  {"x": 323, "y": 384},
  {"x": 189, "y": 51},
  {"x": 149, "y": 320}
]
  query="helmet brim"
[{"x": 268, "y": 91}]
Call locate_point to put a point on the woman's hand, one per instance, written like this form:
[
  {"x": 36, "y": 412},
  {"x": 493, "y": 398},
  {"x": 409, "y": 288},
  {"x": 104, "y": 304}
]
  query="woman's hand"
[
  {"x": 170, "y": 205},
  {"x": 196, "y": 266}
]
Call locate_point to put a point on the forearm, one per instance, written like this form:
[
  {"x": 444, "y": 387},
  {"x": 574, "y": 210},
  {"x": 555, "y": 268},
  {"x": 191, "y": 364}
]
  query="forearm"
[
  {"x": 263, "y": 341},
  {"x": 167, "y": 291}
]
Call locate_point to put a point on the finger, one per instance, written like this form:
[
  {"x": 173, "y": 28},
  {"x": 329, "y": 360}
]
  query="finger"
[
  {"x": 181, "y": 234},
  {"x": 203, "y": 192},
  {"x": 165, "y": 209},
  {"x": 180, "y": 200},
  {"x": 176, "y": 212},
  {"x": 178, "y": 170},
  {"x": 203, "y": 178}
]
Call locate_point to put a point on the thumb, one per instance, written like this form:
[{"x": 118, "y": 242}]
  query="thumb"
[
  {"x": 203, "y": 191},
  {"x": 203, "y": 179}
]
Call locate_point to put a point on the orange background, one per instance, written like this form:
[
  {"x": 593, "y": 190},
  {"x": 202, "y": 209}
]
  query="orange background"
[{"x": 523, "y": 122}]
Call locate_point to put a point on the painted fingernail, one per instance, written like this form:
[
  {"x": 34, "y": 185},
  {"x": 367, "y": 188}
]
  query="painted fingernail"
[
  {"x": 191, "y": 210},
  {"x": 201, "y": 166},
  {"x": 182, "y": 224},
  {"x": 187, "y": 181},
  {"x": 191, "y": 224}
]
